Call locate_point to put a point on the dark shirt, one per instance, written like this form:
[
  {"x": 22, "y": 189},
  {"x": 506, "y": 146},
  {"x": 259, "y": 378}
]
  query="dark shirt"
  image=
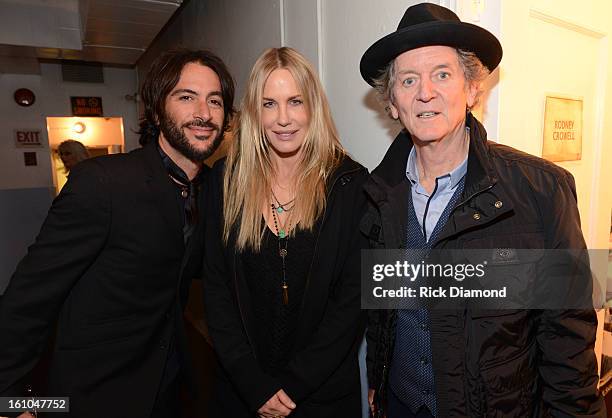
[
  {"x": 275, "y": 322},
  {"x": 187, "y": 192}
]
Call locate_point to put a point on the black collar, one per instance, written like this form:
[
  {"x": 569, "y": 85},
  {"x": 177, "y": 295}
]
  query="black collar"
[
  {"x": 480, "y": 173},
  {"x": 176, "y": 173}
]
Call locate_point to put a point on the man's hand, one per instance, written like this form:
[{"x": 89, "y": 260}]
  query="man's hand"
[{"x": 279, "y": 405}]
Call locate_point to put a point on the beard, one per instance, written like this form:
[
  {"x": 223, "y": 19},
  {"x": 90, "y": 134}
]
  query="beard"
[{"x": 175, "y": 136}]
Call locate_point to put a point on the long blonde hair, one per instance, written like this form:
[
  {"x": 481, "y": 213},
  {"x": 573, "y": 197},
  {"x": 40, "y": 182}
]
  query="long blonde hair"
[{"x": 249, "y": 171}]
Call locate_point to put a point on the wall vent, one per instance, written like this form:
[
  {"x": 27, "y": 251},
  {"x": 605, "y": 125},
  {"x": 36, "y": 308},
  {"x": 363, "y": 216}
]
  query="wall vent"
[{"x": 82, "y": 72}]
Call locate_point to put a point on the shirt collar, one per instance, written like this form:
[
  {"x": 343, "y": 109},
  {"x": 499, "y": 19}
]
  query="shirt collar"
[
  {"x": 412, "y": 171},
  {"x": 177, "y": 172}
]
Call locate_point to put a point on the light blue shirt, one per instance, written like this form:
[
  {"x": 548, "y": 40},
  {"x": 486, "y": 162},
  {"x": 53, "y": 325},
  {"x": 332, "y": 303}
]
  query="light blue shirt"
[{"x": 428, "y": 208}]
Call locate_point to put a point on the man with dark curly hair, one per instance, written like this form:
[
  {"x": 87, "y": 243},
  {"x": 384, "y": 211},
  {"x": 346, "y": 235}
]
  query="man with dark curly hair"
[{"x": 116, "y": 253}]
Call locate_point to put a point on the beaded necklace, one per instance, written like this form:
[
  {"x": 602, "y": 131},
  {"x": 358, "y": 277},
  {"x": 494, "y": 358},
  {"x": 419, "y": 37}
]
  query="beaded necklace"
[{"x": 282, "y": 246}]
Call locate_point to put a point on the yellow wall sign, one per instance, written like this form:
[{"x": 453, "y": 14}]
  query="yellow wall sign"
[{"x": 562, "y": 129}]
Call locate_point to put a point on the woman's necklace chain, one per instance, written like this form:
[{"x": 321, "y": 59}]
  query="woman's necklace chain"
[
  {"x": 281, "y": 234},
  {"x": 282, "y": 207}
]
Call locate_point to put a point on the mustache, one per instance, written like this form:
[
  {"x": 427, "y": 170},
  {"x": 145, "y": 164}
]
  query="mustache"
[{"x": 201, "y": 123}]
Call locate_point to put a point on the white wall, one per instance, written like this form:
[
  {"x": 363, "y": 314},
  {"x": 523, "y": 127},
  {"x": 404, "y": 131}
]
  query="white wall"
[
  {"x": 301, "y": 28},
  {"x": 565, "y": 49},
  {"x": 53, "y": 99},
  {"x": 487, "y": 15},
  {"x": 237, "y": 30},
  {"x": 349, "y": 28}
]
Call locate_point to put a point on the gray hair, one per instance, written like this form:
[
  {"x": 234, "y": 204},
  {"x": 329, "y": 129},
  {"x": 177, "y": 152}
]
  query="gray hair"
[{"x": 473, "y": 70}]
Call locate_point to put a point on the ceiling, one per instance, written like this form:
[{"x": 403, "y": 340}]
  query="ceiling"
[{"x": 108, "y": 31}]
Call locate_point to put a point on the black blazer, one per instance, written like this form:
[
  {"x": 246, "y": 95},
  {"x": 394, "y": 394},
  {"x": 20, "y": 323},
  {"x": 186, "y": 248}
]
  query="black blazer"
[
  {"x": 111, "y": 262},
  {"x": 324, "y": 368}
]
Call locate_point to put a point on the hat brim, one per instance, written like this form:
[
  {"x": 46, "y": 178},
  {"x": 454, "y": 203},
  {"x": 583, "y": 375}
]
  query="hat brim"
[{"x": 454, "y": 34}]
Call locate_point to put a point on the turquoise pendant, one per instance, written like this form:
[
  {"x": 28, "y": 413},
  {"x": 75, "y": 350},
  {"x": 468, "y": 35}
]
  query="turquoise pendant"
[
  {"x": 281, "y": 233},
  {"x": 279, "y": 209}
]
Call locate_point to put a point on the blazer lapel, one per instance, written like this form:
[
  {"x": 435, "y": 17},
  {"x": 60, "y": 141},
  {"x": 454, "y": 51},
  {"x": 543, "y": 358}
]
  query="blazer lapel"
[{"x": 164, "y": 195}]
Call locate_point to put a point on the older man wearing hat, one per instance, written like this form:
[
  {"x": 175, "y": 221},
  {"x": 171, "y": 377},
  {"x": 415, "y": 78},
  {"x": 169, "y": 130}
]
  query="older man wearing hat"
[{"x": 442, "y": 185}]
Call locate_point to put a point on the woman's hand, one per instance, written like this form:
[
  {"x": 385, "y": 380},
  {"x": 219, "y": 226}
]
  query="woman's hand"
[
  {"x": 371, "y": 393},
  {"x": 279, "y": 405}
]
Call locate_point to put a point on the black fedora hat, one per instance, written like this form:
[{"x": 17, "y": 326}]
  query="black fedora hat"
[{"x": 428, "y": 24}]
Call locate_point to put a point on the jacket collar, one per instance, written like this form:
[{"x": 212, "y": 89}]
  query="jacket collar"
[
  {"x": 392, "y": 169},
  {"x": 347, "y": 166},
  {"x": 163, "y": 191},
  {"x": 480, "y": 174}
]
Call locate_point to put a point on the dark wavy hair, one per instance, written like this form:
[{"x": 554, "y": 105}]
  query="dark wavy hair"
[{"x": 163, "y": 76}]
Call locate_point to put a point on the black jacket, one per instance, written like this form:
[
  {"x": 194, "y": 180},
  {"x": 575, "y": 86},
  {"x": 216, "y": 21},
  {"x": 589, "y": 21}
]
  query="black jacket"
[
  {"x": 519, "y": 363},
  {"x": 324, "y": 367},
  {"x": 111, "y": 263}
]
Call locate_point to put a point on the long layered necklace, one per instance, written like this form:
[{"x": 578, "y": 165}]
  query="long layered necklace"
[{"x": 282, "y": 235}]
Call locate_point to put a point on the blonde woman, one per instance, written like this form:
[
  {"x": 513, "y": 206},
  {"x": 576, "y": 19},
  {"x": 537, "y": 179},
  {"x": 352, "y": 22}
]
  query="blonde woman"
[
  {"x": 282, "y": 286},
  {"x": 71, "y": 153}
]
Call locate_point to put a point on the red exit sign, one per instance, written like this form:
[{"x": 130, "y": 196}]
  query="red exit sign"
[{"x": 28, "y": 138}]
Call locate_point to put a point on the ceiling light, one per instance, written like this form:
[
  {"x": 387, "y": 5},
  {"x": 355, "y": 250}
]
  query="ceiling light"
[{"x": 78, "y": 127}]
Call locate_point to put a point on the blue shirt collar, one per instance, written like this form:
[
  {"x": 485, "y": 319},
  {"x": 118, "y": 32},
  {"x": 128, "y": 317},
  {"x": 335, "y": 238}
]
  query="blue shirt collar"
[{"x": 412, "y": 171}]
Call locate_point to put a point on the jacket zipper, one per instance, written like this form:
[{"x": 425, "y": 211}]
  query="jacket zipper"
[
  {"x": 381, "y": 391},
  {"x": 383, "y": 380},
  {"x": 463, "y": 202}
]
